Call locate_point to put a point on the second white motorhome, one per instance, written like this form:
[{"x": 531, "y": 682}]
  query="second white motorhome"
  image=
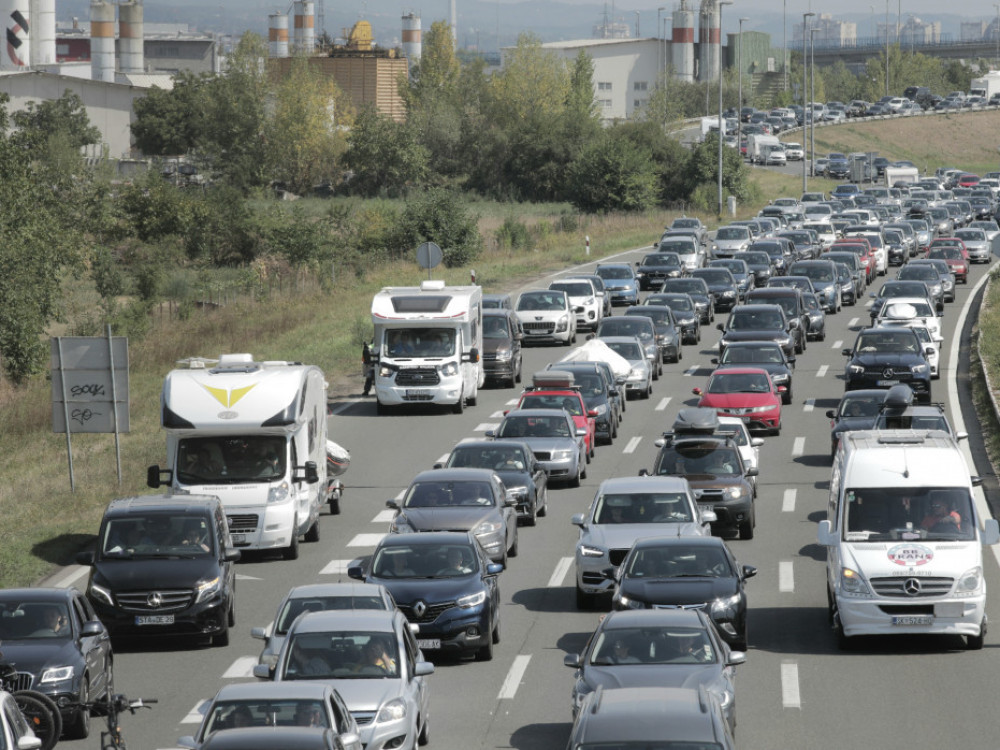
[{"x": 428, "y": 344}]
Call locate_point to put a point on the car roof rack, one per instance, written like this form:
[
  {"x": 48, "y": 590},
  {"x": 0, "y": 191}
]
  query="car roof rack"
[{"x": 553, "y": 380}]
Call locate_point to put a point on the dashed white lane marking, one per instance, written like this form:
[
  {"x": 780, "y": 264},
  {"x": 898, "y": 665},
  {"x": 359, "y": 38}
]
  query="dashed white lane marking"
[
  {"x": 790, "y": 697},
  {"x": 799, "y": 446},
  {"x": 691, "y": 370},
  {"x": 853, "y": 322},
  {"x": 838, "y": 344},
  {"x": 240, "y": 669},
  {"x": 809, "y": 405},
  {"x": 385, "y": 516},
  {"x": 633, "y": 444},
  {"x": 335, "y": 567},
  {"x": 196, "y": 714},
  {"x": 484, "y": 426},
  {"x": 365, "y": 540},
  {"x": 513, "y": 402},
  {"x": 442, "y": 458},
  {"x": 513, "y": 680},
  {"x": 496, "y": 415},
  {"x": 663, "y": 403},
  {"x": 559, "y": 574},
  {"x": 464, "y": 440},
  {"x": 788, "y": 501},
  {"x": 244, "y": 577},
  {"x": 786, "y": 577},
  {"x": 821, "y": 372}
]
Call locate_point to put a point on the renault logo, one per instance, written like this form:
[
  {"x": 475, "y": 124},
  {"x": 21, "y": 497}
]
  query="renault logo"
[
  {"x": 912, "y": 586},
  {"x": 420, "y": 609},
  {"x": 154, "y": 600}
]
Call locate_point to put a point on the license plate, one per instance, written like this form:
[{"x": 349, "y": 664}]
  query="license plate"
[
  {"x": 417, "y": 392},
  {"x": 154, "y": 620},
  {"x": 745, "y": 419},
  {"x": 913, "y": 620},
  {"x": 238, "y": 538},
  {"x": 430, "y": 644},
  {"x": 884, "y": 383}
]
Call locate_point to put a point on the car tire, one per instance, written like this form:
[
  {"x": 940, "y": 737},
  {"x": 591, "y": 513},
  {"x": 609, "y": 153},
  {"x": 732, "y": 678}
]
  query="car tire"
[
  {"x": 786, "y": 397},
  {"x": 424, "y": 737},
  {"x": 583, "y": 470},
  {"x": 614, "y": 430},
  {"x": 575, "y": 481},
  {"x": 459, "y": 406},
  {"x": 495, "y": 634},
  {"x": 79, "y": 728},
  {"x": 313, "y": 534},
  {"x": 512, "y": 552},
  {"x": 584, "y": 601},
  {"x": 975, "y": 642},
  {"x": 543, "y": 505},
  {"x": 680, "y": 355},
  {"x": 746, "y": 528},
  {"x": 520, "y": 368},
  {"x": 291, "y": 552},
  {"x": 822, "y": 336},
  {"x": 485, "y": 652},
  {"x": 799, "y": 345}
]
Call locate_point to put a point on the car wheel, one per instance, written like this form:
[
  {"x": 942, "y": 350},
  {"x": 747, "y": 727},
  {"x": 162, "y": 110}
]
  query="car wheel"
[
  {"x": 313, "y": 534},
  {"x": 543, "y": 504},
  {"x": 822, "y": 335},
  {"x": 786, "y": 397},
  {"x": 424, "y": 737},
  {"x": 656, "y": 373},
  {"x": 512, "y": 552},
  {"x": 575, "y": 481},
  {"x": 334, "y": 502},
  {"x": 648, "y": 392},
  {"x": 291, "y": 552},
  {"x": 474, "y": 398},
  {"x": 495, "y": 635},
  {"x": 459, "y": 406},
  {"x": 746, "y": 528},
  {"x": 680, "y": 355},
  {"x": 975, "y": 642},
  {"x": 614, "y": 429},
  {"x": 485, "y": 653},
  {"x": 79, "y": 728},
  {"x": 587, "y": 454},
  {"x": 520, "y": 368},
  {"x": 221, "y": 638},
  {"x": 799, "y": 345},
  {"x": 584, "y": 601},
  {"x": 583, "y": 470}
]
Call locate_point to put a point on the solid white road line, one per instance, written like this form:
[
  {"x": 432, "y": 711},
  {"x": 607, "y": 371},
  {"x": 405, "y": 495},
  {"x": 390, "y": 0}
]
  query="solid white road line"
[
  {"x": 335, "y": 567},
  {"x": 790, "y": 697},
  {"x": 559, "y": 574},
  {"x": 513, "y": 679},
  {"x": 384, "y": 516},
  {"x": 788, "y": 501},
  {"x": 809, "y": 405},
  {"x": 241, "y": 668},
  {"x": 196, "y": 714},
  {"x": 821, "y": 372},
  {"x": 838, "y": 344},
  {"x": 633, "y": 444},
  {"x": 70, "y": 576},
  {"x": 786, "y": 577},
  {"x": 663, "y": 403},
  {"x": 799, "y": 446},
  {"x": 365, "y": 540},
  {"x": 484, "y": 426}
]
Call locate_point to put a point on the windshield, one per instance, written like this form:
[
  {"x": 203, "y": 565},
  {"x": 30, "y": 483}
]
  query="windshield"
[
  {"x": 743, "y": 382},
  {"x": 887, "y": 421},
  {"x": 33, "y": 620},
  {"x": 518, "y": 426},
  {"x": 754, "y": 320},
  {"x": 231, "y": 714},
  {"x": 425, "y": 561},
  {"x": 681, "y": 247},
  {"x": 677, "y": 304},
  {"x": 811, "y": 301},
  {"x": 495, "y": 327},
  {"x": 676, "y": 561},
  {"x": 295, "y": 607},
  {"x": 910, "y": 513},
  {"x": 643, "y": 507},
  {"x": 860, "y": 406},
  {"x": 971, "y": 234},
  {"x": 756, "y": 258},
  {"x": 686, "y": 223},
  {"x": 887, "y": 341},
  {"x": 614, "y": 272},
  {"x": 247, "y": 459},
  {"x": 420, "y": 342},
  {"x": 923, "y": 273},
  {"x": 659, "y": 317},
  {"x": 741, "y": 354},
  {"x": 570, "y": 404},
  {"x": 496, "y": 456},
  {"x": 733, "y": 233},
  {"x": 342, "y": 655},
  {"x": 649, "y": 646},
  {"x": 550, "y": 300},
  {"x": 688, "y": 286},
  {"x": 950, "y": 252},
  {"x": 157, "y": 536},
  {"x": 448, "y": 495},
  {"x": 715, "y": 275},
  {"x": 662, "y": 259},
  {"x": 621, "y": 326},
  {"x": 575, "y": 289},
  {"x": 701, "y": 458},
  {"x": 626, "y": 349}
]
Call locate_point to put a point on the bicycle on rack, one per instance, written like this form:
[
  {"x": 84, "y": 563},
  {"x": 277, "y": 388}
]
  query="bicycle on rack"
[
  {"x": 112, "y": 707},
  {"x": 40, "y": 711}
]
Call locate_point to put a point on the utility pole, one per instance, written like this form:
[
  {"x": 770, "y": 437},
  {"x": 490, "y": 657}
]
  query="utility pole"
[
  {"x": 722, "y": 129},
  {"x": 805, "y": 88}
]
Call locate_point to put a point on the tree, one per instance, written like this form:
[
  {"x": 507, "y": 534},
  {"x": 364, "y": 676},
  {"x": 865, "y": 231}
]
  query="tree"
[
  {"x": 612, "y": 174},
  {"x": 171, "y": 123},
  {"x": 384, "y": 155},
  {"x": 435, "y": 77},
  {"x": 65, "y": 116},
  {"x": 303, "y": 129},
  {"x": 439, "y": 216}
]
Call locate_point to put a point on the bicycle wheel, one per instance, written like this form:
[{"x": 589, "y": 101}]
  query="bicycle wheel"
[{"x": 42, "y": 715}]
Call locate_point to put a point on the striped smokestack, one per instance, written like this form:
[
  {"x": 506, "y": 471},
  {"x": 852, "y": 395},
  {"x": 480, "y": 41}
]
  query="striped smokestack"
[
  {"x": 102, "y": 41},
  {"x": 277, "y": 34},
  {"x": 17, "y": 51},
  {"x": 43, "y": 32},
  {"x": 130, "y": 37}
]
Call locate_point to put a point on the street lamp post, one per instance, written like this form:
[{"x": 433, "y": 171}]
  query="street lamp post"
[
  {"x": 812, "y": 98},
  {"x": 784, "y": 42},
  {"x": 722, "y": 130},
  {"x": 739, "y": 107},
  {"x": 997, "y": 6},
  {"x": 887, "y": 47},
  {"x": 659, "y": 42},
  {"x": 805, "y": 85}
]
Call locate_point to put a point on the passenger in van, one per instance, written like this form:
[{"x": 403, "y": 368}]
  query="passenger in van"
[{"x": 940, "y": 517}]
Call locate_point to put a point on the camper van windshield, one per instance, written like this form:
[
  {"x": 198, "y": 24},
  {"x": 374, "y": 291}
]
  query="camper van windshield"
[
  {"x": 420, "y": 342},
  {"x": 231, "y": 460},
  {"x": 908, "y": 513}
]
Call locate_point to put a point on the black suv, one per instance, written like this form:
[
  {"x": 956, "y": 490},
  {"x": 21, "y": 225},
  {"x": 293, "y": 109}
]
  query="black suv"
[
  {"x": 884, "y": 357},
  {"x": 656, "y": 267},
  {"x": 697, "y": 290},
  {"x": 790, "y": 300},
  {"x": 722, "y": 284},
  {"x": 164, "y": 564},
  {"x": 685, "y": 313},
  {"x": 598, "y": 395},
  {"x": 712, "y": 464},
  {"x": 757, "y": 323}
]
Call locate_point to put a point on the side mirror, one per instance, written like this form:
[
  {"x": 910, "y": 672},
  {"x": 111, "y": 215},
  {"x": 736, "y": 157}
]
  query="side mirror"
[
  {"x": 753, "y": 471},
  {"x": 825, "y": 535},
  {"x": 696, "y": 391},
  {"x": 961, "y": 435},
  {"x": 720, "y": 326},
  {"x": 259, "y": 633},
  {"x": 472, "y": 356},
  {"x": 422, "y": 669},
  {"x": 846, "y": 352},
  {"x": 756, "y": 442},
  {"x": 356, "y": 572},
  {"x": 262, "y": 671},
  {"x": 579, "y": 519},
  {"x": 581, "y": 432},
  {"x": 490, "y": 433},
  {"x": 310, "y": 474},
  {"x": 573, "y": 660},
  {"x": 831, "y": 414},
  {"x": 494, "y": 569},
  {"x": 438, "y": 466},
  {"x": 231, "y": 554},
  {"x": 85, "y": 558},
  {"x": 714, "y": 360},
  {"x": 708, "y": 515},
  {"x": 592, "y": 413},
  {"x": 92, "y": 628},
  {"x": 393, "y": 503},
  {"x": 749, "y": 571},
  {"x": 155, "y": 476}
]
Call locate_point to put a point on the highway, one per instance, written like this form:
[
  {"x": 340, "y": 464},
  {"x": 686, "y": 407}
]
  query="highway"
[{"x": 796, "y": 690}]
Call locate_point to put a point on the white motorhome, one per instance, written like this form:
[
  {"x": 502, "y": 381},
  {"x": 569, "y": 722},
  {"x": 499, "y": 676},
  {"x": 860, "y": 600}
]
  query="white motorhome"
[
  {"x": 254, "y": 434},
  {"x": 760, "y": 146},
  {"x": 428, "y": 341},
  {"x": 904, "y": 539}
]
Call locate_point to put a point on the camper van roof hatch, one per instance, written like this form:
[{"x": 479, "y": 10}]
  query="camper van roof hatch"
[{"x": 421, "y": 304}]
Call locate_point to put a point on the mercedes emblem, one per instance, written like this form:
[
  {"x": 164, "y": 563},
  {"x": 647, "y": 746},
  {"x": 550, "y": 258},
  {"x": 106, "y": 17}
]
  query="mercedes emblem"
[
  {"x": 154, "y": 600},
  {"x": 912, "y": 586}
]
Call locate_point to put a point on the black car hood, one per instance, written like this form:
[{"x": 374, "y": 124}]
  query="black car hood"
[
  {"x": 716, "y": 288},
  {"x": 406, "y": 591},
  {"x": 773, "y": 368},
  {"x": 678, "y": 590},
  {"x": 747, "y": 335},
  {"x": 651, "y": 675},
  {"x": 448, "y": 519},
  {"x": 896, "y": 359},
  {"x": 159, "y": 573},
  {"x": 36, "y": 655}
]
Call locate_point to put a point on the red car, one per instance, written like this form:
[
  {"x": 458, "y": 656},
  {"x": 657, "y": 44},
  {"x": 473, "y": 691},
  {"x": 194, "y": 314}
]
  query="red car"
[
  {"x": 555, "y": 389},
  {"x": 968, "y": 180},
  {"x": 747, "y": 393},
  {"x": 952, "y": 251}
]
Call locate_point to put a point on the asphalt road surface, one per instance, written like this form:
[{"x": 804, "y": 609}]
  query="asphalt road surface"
[{"x": 796, "y": 689}]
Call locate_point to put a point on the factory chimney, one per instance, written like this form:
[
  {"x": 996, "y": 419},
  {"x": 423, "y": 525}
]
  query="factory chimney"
[
  {"x": 102, "y": 41},
  {"x": 130, "y": 37}
]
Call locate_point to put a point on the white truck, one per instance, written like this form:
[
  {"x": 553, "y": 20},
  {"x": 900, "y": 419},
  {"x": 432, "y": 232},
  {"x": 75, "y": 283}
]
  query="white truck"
[
  {"x": 904, "y": 538},
  {"x": 428, "y": 344},
  {"x": 909, "y": 175},
  {"x": 254, "y": 434},
  {"x": 986, "y": 86},
  {"x": 759, "y": 146}
]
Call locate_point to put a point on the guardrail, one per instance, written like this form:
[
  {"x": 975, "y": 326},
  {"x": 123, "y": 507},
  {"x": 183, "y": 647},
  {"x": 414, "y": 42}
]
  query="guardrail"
[{"x": 979, "y": 353}]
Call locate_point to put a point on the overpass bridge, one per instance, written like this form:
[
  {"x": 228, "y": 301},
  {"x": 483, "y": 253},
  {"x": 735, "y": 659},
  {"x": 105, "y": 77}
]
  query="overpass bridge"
[{"x": 864, "y": 49}]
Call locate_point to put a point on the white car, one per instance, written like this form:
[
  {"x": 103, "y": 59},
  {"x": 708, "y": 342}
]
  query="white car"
[
  {"x": 909, "y": 312},
  {"x": 776, "y": 156},
  {"x": 583, "y": 297},
  {"x": 546, "y": 315},
  {"x": 730, "y": 240},
  {"x": 932, "y": 346},
  {"x": 749, "y": 446},
  {"x": 824, "y": 229},
  {"x": 989, "y": 226},
  {"x": 794, "y": 152}
]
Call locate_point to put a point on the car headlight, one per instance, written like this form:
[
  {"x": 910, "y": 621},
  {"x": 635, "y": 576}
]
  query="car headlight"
[
  {"x": 631, "y": 603},
  {"x": 852, "y": 584},
  {"x": 918, "y": 369},
  {"x": 56, "y": 674},
  {"x": 637, "y": 372},
  {"x": 207, "y": 589},
  {"x": 563, "y": 323},
  {"x": 394, "y": 710},
  {"x": 278, "y": 493},
  {"x": 725, "y": 608},
  {"x": 970, "y": 582},
  {"x": 589, "y": 301},
  {"x": 779, "y": 378},
  {"x": 651, "y": 350},
  {"x": 487, "y": 527},
  {"x": 588, "y": 551},
  {"x": 856, "y": 369},
  {"x": 601, "y": 409},
  {"x": 734, "y": 493},
  {"x": 449, "y": 369},
  {"x": 99, "y": 592},
  {"x": 400, "y": 525},
  {"x": 503, "y": 355},
  {"x": 384, "y": 371},
  {"x": 759, "y": 409},
  {"x": 562, "y": 455},
  {"x": 715, "y": 247},
  {"x": 472, "y": 600}
]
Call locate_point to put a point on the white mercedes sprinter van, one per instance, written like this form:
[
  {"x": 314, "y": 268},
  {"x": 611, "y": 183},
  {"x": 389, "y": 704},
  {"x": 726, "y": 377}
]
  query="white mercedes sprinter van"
[{"x": 903, "y": 539}]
